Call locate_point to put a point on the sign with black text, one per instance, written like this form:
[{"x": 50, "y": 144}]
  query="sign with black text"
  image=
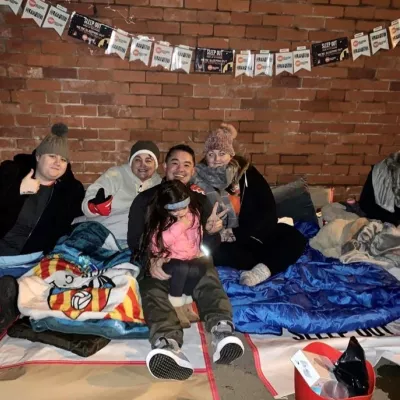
[
  {"x": 214, "y": 60},
  {"x": 329, "y": 52}
]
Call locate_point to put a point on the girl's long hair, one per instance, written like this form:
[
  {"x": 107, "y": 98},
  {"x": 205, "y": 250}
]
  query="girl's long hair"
[{"x": 158, "y": 219}]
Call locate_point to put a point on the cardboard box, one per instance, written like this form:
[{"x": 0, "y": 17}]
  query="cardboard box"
[{"x": 315, "y": 369}]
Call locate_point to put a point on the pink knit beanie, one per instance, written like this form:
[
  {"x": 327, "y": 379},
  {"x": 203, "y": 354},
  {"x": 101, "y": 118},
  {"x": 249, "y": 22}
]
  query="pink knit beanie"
[{"x": 221, "y": 139}]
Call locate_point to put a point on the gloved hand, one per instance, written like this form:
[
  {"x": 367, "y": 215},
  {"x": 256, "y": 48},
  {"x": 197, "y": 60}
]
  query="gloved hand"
[{"x": 100, "y": 204}]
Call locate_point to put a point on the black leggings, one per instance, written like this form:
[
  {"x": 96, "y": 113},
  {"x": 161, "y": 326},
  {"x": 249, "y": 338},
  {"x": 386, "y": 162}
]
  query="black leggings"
[
  {"x": 185, "y": 274},
  {"x": 281, "y": 250}
]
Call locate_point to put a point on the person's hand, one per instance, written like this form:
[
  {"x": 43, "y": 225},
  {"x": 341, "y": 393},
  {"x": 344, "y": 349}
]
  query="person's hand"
[
  {"x": 156, "y": 270},
  {"x": 214, "y": 223},
  {"x": 227, "y": 236},
  {"x": 101, "y": 204},
  {"x": 29, "y": 185}
]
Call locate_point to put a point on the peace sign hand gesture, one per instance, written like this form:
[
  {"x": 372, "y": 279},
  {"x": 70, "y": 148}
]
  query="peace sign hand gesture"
[{"x": 214, "y": 223}]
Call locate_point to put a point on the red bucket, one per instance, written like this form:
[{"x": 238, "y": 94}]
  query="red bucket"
[{"x": 304, "y": 392}]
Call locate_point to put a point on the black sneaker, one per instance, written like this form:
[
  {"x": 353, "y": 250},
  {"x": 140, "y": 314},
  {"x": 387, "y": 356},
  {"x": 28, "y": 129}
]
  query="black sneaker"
[
  {"x": 227, "y": 347},
  {"x": 8, "y": 302},
  {"x": 167, "y": 361}
]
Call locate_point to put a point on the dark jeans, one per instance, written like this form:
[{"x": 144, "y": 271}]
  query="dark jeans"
[
  {"x": 185, "y": 275},
  {"x": 212, "y": 302},
  {"x": 278, "y": 252}
]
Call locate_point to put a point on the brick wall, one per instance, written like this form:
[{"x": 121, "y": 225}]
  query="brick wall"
[{"x": 329, "y": 124}]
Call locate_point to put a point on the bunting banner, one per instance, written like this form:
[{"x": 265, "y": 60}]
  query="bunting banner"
[
  {"x": 182, "y": 58},
  {"x": 119, "y": 43},
  {"x": 57, "y": 19},
  {"x": 284, "y": 62},
  {"x": 360, "y": 46},
  {"x": 36, "y": 10},
  {"x": 394, "y": 32},
  {"x": 162, "y": 55},
  {"x": 89, "y": 31},
  {"x": 154, "y": 53},
  {"x": 264, "y": 63},
  {"x": 141, "y": 49},
  {"x": 379, "y": 39},
  {"x": 301, "y": 59},
  {"x": 15, "y": 5},
  {"x": 244, "y": 64}
]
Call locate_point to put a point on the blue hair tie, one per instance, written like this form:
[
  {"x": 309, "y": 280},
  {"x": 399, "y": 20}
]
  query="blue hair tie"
[{"x": 177, "y": 206}]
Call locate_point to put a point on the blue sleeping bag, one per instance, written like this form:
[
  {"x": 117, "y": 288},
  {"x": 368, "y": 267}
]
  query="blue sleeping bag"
[{"x": 315, "y": 295}]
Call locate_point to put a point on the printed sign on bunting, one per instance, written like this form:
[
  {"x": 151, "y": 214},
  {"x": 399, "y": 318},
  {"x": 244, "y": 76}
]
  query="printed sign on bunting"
[
  {"x": 244, "y": 64},
  {"x": 379, "y": 39},
  {"x": 360, "y": 46},
  {"x": 329, "y": 52},
  {"x": 36, "y": 10},
  {"x": 264, "y": 63},
  {"x": 394, "y": 32},
  {"x": 119, "y": 43},
  {"x": 162, "y": 55},
  {"x": 56, "y": 18},
  {"x": 301, "y": 59},
  {"x": 13, "y": 4},
  {"x": 181, "y": 58},
  {"x": 284, "y": 62},
  {"x": 140, "y": 49}
]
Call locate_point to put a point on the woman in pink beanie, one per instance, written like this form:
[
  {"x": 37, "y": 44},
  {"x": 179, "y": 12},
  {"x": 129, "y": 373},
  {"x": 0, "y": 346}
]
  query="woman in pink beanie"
[{"x": 252, "y": 238}]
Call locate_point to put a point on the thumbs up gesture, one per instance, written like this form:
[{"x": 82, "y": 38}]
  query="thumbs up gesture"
[
  {"x": 214, "y": 223},
  {"x": 29, "y": 185}
]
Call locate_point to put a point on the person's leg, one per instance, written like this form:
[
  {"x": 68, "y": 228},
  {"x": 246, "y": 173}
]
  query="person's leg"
[
  {"x": 216, "y": 311},
  {"x": 235, "y": 255},
  {"x": 165, "y": 360},
  {"x": 8, "y": 302}
]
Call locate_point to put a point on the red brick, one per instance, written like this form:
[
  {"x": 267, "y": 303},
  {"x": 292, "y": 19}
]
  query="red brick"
[
  {"x": 174, "y": 113},
  {"x": 355, "y": 118},
  {"x": 163, "y": 27},
  {"x": 197, "y": 29},
  {"x": 345, "y": 2},
  {"x": 229, "y": 30},
  {"x": 96, "y": 145},
  {"x": 309, "y": 127},
  {"x": 209, "y": 91},
  {"x": 277, "y": 20},
  {"x": 196, "y": 103},
  {"x": 349, "y": 160},
  {"x": 209, "y": 115},
  {"x": 28, "y": 97},
  {"x": 292, "y": 34},
  {"x": 328, "y": 11},
  {"x": 359, "y": 12},
  {"x": 28, "y": 120},
  {"x": 166, "y": 3},
  {"x": 201, "y": 4},
  {"x": 359, "y": 96},
  {"x": 21, "y": 71},
  {"x": 213, "y": 43},
  {"x": 365, "y": 26},
  {"x": 145, "y": 88},
  {"x": 177, "y": 136},
  {"x": 60, "y": 73},
  {"x": 52, "y": 109},
  {"x": 315, "y": 105},
  {"x": 224, "y": 103},
  {"x": 43, "y": 84},
  {"x": 308, "y": 22},
  {"x": 146, "y": 13},
  {"x": 12, "y": 83},
  {"x": 171, "y": 14},
  {"x": 266, "y": 33},
  {"x": 340, "y": 24},
  {"x": 194, "y": 125},
  {"x": 297, "y": 9},
  {"x": 163, "y": 124},
  {"x": 234, "y": 5},
  {"x": 354, "y": 139},
  {"x": 214, "y": 17},
  {"x": 330, "y": 94},
  {"x": 246, "y": 19},
  {"x": 59, "y": 48},
  {"x": 8, "y": 120},
  {"x": 177, "y": 90},
  {"x": 5, "y": 95},
  {"x": 341, "y": 106},
  {"x": 261, "y": 6},
  {"x": 378, "y": 3},
  {"x": 129, "y": 76},
  {"x": 284, "y": 127},
  {"x": 81, "y": 110}
]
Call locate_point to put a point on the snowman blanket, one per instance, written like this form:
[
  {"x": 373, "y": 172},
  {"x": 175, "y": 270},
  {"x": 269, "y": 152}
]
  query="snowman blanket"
[{"x": 67, "y": 283}]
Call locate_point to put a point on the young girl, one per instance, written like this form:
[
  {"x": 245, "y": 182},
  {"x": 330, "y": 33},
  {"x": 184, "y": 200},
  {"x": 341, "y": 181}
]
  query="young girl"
[{"x": 173, "y": 232}]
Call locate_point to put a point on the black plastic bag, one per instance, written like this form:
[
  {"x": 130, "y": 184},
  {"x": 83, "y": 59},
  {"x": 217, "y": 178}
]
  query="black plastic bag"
[{"x": 351, "y": 369}]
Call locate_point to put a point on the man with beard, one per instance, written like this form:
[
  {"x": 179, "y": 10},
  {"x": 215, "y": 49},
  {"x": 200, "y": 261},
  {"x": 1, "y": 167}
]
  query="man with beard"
[
  {"x": 108, "y": 199},
  {"x": 166, "y": 359}
]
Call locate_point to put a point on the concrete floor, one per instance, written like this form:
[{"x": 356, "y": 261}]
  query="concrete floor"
[{"x": 241, "y": 381}]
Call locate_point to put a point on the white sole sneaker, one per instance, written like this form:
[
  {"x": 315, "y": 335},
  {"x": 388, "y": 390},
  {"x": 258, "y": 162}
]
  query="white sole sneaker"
[
  {"x": 228, "y": 350},
  {"x": 164, "y": 364}
]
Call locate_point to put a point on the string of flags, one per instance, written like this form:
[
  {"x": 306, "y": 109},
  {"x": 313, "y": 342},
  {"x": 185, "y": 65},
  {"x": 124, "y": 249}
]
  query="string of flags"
[{"x": 223, "y": 61}]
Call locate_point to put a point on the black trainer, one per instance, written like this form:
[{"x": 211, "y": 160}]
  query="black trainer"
[{"x": 227, "y": 347}]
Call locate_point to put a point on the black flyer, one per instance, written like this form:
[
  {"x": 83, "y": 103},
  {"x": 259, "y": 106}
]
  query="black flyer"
[
  {"x": 90, "y": 31},
  {"x": 329, "y": 52},
  {"x": 214, "y": 60}
]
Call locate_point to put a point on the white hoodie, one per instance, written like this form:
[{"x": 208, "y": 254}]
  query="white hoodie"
[{"x": 124, "y": 186}]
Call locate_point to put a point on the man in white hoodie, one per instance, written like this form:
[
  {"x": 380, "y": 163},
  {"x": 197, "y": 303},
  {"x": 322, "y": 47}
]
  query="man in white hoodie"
[{"x": 109, "y": 198}]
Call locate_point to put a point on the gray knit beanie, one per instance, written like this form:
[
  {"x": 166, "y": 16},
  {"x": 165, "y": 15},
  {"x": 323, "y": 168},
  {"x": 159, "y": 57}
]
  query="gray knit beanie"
[
  {"x": 55, "y": 142},
  {"x": 146, "y": 147}
]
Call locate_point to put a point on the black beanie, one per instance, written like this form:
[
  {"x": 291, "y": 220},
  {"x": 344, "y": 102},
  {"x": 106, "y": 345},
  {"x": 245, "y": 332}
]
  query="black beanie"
[{"x": 147, "y": 147}]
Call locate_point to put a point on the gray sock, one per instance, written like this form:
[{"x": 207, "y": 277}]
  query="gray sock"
[{"x": 256, "y": 275}]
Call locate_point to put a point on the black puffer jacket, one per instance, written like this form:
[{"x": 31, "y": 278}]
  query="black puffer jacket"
[{"x": 64, "y": 204}]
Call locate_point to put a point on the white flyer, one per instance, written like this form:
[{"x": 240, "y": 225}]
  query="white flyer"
[
  {"x": 284, "y": 62},
  {"x": 162, "y": 55},
  {"x": 141, "y": 49},
  {"x": 264, "y": 63},
  {"x": 119, "y": 43},
  {"x": 57, "y": 19},
  {"x": 379, "y": 39},
  {"x": 36, "y": 10},
  {"x": 182, "y": 58}
]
